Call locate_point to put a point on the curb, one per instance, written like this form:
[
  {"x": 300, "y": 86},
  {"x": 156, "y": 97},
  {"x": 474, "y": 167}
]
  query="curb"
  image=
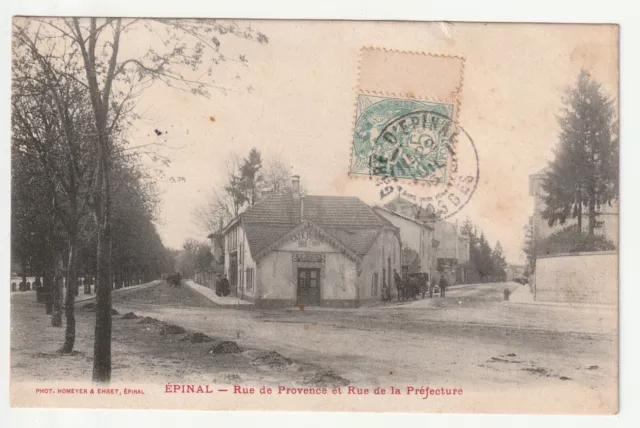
[{"x": 121, "y": 290}]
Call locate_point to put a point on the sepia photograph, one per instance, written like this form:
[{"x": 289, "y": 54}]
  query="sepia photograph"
[{"x": 366, "y": 216}]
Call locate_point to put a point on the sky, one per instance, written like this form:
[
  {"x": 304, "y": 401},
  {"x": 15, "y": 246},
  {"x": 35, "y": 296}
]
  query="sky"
[{"x": 301, "y": 104}]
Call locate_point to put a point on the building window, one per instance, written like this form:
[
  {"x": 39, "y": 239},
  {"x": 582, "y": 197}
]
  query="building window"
[
  {"x": 249, "y": 279},
  {"x": 241, "y": 278},
  {"x": 232, "y": 239},
  {"x": 241, "y": 254},
  {"x": 384, "y": 277},
  {"x": 374, "y": 284}
]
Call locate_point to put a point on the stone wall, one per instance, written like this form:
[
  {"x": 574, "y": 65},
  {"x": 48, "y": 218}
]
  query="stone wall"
[{"x": 577, "y": 278}]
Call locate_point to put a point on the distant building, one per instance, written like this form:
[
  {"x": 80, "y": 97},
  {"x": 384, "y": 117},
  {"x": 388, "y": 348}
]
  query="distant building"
[
  {"x": 453, "y": 251},
  {"x": 289, "y": 249},
  {"x": 436, "y": 246},
  {"x": 514, "y": 271},
  {"x": 418, "y": 244}
]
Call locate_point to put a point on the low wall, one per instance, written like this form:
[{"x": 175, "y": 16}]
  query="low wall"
[{"x": 578, "y": 278}]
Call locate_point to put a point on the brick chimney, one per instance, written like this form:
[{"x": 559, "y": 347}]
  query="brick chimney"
[{"x": 295, "y": 186}]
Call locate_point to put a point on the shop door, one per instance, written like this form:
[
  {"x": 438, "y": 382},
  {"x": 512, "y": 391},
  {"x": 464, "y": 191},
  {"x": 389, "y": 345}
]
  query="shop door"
[{"x": 308, "y": 286}]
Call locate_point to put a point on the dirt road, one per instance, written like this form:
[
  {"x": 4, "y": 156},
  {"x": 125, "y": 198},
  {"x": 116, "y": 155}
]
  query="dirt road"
[{"x": 469, "y": 338}]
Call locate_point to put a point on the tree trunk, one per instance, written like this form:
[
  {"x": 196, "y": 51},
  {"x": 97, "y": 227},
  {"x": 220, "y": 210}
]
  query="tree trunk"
[
  {"x": 102, "y": 344},
  {"x": 47, "y": 285},
  {"x": 24, "y": 273},
  {"x": 69, "y": 304},
  {"x": 580, "y": 214},
  {"x": 56, "y": 316},
  {"x": 592, "y": 215}
]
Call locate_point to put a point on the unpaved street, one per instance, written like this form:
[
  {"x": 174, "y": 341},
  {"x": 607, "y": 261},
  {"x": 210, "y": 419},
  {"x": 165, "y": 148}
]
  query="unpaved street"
[{"x": 470, "y": 338}]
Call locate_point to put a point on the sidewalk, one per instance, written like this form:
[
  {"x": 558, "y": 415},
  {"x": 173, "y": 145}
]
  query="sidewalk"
[
  {"x": 86, "y": 297},
  {"x": 81, "y": 298},
  {"x": 218, "y": 300},
  {"x": 523, "y": 295}
]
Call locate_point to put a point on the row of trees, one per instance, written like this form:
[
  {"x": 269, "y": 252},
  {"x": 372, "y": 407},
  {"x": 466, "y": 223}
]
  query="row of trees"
[
  {"x": 56, "y": 187},
  {"x": 195, "y": 256},
  {"x": 78, "y": 182},
  {"x": 489, "y": 264}
]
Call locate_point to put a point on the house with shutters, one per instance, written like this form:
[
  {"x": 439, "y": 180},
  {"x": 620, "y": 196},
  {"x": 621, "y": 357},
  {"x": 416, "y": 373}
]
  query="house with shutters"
[{"x": 289, "y": 249}]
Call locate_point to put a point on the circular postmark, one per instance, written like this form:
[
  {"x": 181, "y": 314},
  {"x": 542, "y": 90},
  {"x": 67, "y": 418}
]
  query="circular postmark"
[
  {"x": 416, "y": 146},
  {"x": 445, "y": 200},
  {"x": 416, "y": 151}
]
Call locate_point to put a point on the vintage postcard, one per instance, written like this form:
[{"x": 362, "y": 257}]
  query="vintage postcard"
[{"x": 314, "y": 215}]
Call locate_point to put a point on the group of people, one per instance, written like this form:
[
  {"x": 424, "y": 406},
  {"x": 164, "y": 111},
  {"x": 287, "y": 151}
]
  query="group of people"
[
  {"x": 223, "y": 287},
  {"x": 442, "y": 286},
  {"x": 414, "y": 285}
]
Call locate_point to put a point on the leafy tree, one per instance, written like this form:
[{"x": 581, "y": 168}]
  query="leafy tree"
[
  {"x": 484, "y": 261},
  {"x": 498, "y": 263},
  {"x": 244, "y": 185},
  {"x": 251, "y": 177},
  {"x": 571, "y": 240},
  {"x": 584, "y": 173}
]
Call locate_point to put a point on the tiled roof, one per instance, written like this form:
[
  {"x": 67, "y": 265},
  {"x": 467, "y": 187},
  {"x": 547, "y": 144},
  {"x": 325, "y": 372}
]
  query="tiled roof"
[
  {"x": 349, "y": 220},
  {"x": 397, "y": 214},
  {"x": 260, "y": 235},
  {"x": 336, "y": 211},
  {"x": 274, "y": 209}
]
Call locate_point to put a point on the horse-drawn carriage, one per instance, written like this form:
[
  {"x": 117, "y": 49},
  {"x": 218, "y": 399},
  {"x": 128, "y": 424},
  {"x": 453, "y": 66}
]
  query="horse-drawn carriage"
[
  {"x": 174, "y": 279},
  {"x": 412, "y": 286}
]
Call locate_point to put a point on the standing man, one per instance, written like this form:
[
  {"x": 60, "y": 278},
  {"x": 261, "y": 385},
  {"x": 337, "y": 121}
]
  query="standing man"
[
  {"x": 219, "y": 285},
  {"x": 443, "y": 284},
  {"x": 225, "y": 286}
]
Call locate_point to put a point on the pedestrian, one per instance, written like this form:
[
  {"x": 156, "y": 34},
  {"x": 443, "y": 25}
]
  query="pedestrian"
[
  {"x": 423, "y": 284},
  {"x": 224, "y": 286},
  {"x": 219, "y": 285},
  {"x": 443, "y": 285}
]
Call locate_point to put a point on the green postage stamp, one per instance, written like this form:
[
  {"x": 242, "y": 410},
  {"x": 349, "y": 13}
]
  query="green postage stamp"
[{"x": 402, "y": 138}]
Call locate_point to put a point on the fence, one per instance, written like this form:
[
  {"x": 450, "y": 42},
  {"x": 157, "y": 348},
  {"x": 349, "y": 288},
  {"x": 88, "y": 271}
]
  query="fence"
[{"x": 208, "y": 279}]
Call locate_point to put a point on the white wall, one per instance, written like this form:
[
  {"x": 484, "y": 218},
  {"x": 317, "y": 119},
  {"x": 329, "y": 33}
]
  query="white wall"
[
  {"x": 415, "y": 236},
  {"x": 339, "y": 281},
  {"x": 578, "y": 278},
  {"x": 248, "y": 263},
  {"x": 276, "y": 277},
  {"x": 385, "y": 247}
]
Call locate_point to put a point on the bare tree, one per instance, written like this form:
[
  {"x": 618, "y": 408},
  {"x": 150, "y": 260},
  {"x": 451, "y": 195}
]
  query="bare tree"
[
  {"x": 113, "y": 84},
  {"x": 277, "y": 176},
  {"x": 50, "y": 120}
]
